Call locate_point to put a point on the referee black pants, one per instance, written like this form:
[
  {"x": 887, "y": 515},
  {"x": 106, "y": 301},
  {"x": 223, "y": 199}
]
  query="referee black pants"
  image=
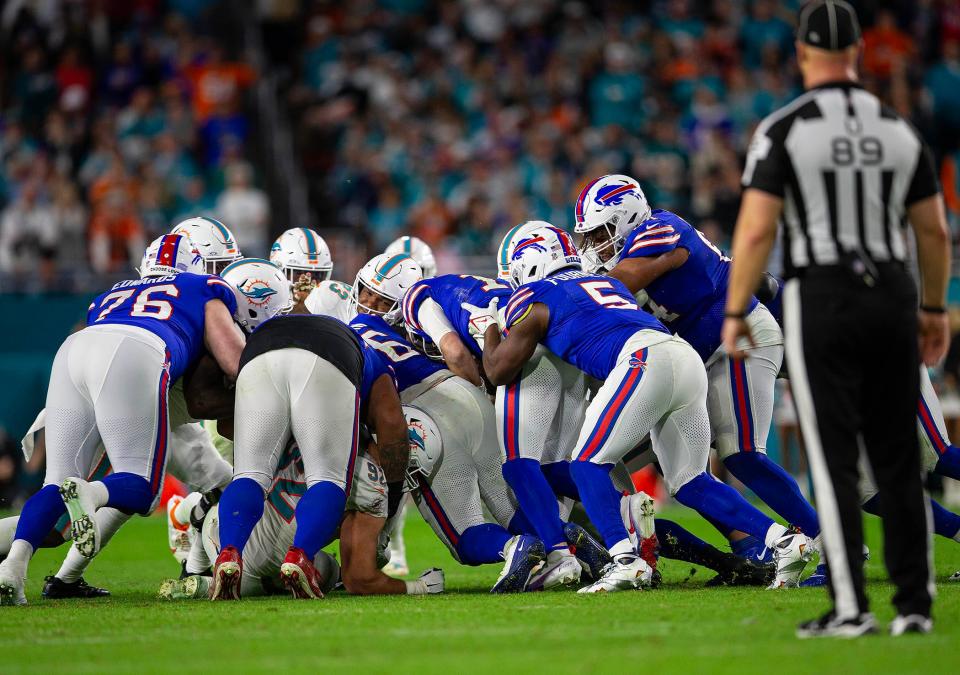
[{"x": 854, "y": 369}]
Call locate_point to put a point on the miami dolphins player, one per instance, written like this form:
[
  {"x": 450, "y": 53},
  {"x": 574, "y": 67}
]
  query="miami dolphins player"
[
  {"x": 452, "y": 418},
  {"x": 212, "y": 239},
  {"x": 110, "y": 382},
  {"x": 684, "y": 278},
  {"x": 417, "y": 249},
  {"x": 653, "y": 382}
]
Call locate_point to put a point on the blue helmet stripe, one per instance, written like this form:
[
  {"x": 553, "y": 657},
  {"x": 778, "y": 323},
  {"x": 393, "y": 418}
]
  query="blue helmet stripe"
[
  {"x": 311, "y": 242},
  {"x": 390, "y": 264}
]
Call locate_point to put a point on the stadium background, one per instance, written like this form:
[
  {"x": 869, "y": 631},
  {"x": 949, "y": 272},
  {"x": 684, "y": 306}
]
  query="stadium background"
[{"x": 366, "y": 120}]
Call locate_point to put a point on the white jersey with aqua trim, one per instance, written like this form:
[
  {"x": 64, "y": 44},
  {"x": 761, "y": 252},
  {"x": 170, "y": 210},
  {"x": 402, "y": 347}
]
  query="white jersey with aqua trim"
[{"x": 331, "y": 298}]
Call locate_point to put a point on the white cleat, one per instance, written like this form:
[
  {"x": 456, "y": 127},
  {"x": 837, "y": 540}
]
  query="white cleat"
[
  {"x": 84, "y": 528},
  {"x": 397, "y": 567},
  {"x": 637, "y": 511},
  {"x": 912, "y": 623},
  {"x": 561, "y": 569},
  {"x": 791, "y": 553},
  {"x": 178, "y": 533},
  {"x": 630, "y": 573},
  {"x": 11, "y": 589},
  {"x": 189, "y": 588}
]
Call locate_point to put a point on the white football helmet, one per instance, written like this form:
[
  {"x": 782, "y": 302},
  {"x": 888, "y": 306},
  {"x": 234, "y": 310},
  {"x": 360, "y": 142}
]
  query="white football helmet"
[
  {"x": 505, "y": 252},
  {"x": 607, "y": 210},
  {"x": 261, "y": 289},
  {"x": 542, "y": 252},
  {"x": 300, "y": 250},
  {"x": 389, "y": 276},
  {"x": 213, "y": 239},
  {"x": 426, "y": 446},
  {"x": 170, "y": 254},
  {"x": 417, "y": 249}
]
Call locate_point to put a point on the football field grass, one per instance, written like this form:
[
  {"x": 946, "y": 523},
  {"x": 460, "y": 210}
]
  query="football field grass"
[{"x": 681, "y": 627}]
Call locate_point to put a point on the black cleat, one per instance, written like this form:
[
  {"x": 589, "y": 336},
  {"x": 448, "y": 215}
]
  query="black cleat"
[
  {"x": 739, "y": 571},
  {"x": 829, "y": 626},
  {"x": 593, "y": 556},
  {"x": 56, "y": 589}
]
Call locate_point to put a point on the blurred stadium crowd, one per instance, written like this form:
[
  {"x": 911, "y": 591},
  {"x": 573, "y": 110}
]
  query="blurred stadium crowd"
[
  {"x": 453, "y": 120},
  {"x": 450, "y": 120}
]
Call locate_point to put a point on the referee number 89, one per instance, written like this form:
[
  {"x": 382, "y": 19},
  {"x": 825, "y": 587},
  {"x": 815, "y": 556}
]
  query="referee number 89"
[{"x": 844, "y": 151}]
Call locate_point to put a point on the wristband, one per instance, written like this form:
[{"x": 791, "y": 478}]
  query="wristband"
[
  {"x": 735, "y": 315},
  {"x": 929, "y": 309}
]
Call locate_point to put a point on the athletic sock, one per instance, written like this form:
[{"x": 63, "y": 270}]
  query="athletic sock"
[
  {"x": 40, "y": 513},
  {"x": 127, "y": 492},
  {"x": 558, "y": 476},
  {"x": 520, "y": 524},
  {"x": 536, "y": 499},
  {"x": 775, "y": 487},
  {"x": 8, "y": 526},
  {"x": 318, "y": 514},
  {"x": 19, "y": 557},
  {"x": 241, "y": 507},
  {"x": 945, "y": 523},
  {"x": 482, "y": 544},
  {"x": 679, "y": 544},
  {"x": 197, "y": 560},
  {"x": 600, "y": 499},
  {"x": 720, "y": 501},
  {"x": 949, "y": 463},
  {"x": 74, "y": 565}
]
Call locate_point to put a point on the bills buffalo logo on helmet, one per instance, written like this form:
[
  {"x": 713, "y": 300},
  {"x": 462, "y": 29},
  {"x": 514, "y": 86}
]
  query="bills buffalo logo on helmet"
[
  {"x": 257, "y": 291},
  {"x": 533, "y": 243},
  {"x": 612, "y": 195}
]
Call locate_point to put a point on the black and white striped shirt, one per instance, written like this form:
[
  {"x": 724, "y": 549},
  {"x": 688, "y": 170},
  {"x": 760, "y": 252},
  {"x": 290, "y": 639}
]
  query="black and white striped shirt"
[{"x": 847, "y": 168}]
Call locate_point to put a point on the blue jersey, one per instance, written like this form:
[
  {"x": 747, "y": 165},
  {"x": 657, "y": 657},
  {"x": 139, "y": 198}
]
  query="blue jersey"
[
  {"x": 452, "y": 292},
  {"x": 410, "y": 366},
  {"x": 591, "y": 318},
  {"x": 171, "y": 307},
  {"x": 373, "y": 368},
  {"x": 690, "y": 299}
]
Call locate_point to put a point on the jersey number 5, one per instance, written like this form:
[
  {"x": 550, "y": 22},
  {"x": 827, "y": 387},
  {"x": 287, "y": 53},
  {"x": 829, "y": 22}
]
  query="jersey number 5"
[
  {"x": 143, "y": 306},
  {"x": 595, "y": 289}
]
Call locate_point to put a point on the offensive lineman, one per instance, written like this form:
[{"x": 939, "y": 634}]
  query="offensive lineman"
[{"x": 110, "y": 382}]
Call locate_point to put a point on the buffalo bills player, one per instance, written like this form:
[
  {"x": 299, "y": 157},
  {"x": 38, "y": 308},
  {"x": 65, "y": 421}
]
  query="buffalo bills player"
[
  {"x": 653, "y": 383},
  {"x": 310, "y": 378},
  {"x": 464, "y": 473},
  {"x": 110, "y": 382},
  {"x": 684, "y": 278}
]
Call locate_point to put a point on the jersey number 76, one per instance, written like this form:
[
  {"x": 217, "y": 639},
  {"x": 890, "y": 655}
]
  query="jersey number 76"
[{"x": 144, "y": 306}]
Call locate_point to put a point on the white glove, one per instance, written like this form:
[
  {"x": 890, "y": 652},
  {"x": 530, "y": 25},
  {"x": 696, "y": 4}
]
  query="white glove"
[
  {"x": 482, "y": 318},
  {"x": 430, "y": 582}
]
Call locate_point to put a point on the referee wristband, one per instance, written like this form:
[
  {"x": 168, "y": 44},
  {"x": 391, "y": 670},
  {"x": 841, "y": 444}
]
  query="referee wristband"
[
  {"x": 930, "y": 309},
  {"x": 735, "y": 315}
]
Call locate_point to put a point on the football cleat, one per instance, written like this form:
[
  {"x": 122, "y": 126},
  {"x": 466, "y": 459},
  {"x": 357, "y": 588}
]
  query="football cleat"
[
  {"x": 737, "y": 571},
  {"x": 560, "y": 569},
  {"x": 791, "y": 553},
  {"x": 188, "y": 588},
  {"x": 300, "y": 576},
  {"x": 753, "y": 550},
  {"x": 178, "y": 533},
  {"x": 83, "y": 526},
  {"x": 523, "y": 555},
  {"x": 592, "y": 555},
  {"x": 829, "y": 626},
  {"x": 57, "y": 589},
  {"x": 954, "y": 577},
  {"x": 227, "y": 572},
  {"x": 912, "y": 623},
  {"x": 11, "y": 589},
  {"x": 627, "y": 573},
  {"x": 817, "y": 579}
]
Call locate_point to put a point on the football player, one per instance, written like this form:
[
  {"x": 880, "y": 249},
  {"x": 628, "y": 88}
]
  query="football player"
[
  {"x": 417, "y": 249},
  {"x": 304, "y": 258},
  {"x": 212, "y": 239},
  {"x": 111, "y": 381},
  {"x": 683, "y": 278},
  {"x": 452, "y": 437},
  {"x": 309, "y": 377},
  {"x": 653, "y": 382}
]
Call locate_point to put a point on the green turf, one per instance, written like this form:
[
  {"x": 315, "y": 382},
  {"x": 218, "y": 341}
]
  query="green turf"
[{"x": 680, "y": 628}]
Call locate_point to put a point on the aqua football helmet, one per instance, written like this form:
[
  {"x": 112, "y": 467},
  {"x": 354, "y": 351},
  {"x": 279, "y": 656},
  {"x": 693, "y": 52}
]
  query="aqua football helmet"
[
  {"x": 300, "y": 250},
  {"x": 389, "y": 276}
]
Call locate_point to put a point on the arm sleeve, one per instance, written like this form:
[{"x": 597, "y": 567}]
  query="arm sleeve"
[
  {"x": 221, "y": 290},
  {"x": 924, "y": 182},
  {"x": 655, "y": 240},
  {"x": 767, "y": 165},
  {"x": 431, "y": 322}
]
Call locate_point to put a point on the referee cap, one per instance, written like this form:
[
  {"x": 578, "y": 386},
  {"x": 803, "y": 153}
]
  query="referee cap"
[{"x": 828, "y": 24}]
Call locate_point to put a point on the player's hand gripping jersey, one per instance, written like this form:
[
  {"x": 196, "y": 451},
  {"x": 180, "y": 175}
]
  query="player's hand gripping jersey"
[
  {"x": 459, "y": 296},
  {"x": 591, "y": 318},
  {"x": 410, "y": 366},
  {"x": 690, "y": 299},
  {"x": 170, "y": 307}
]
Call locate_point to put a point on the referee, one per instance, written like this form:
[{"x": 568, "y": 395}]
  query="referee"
[{"x": 844, "y": 172}]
